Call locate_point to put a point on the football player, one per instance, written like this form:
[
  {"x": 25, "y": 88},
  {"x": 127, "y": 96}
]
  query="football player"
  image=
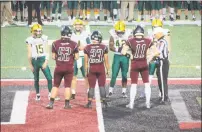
[
  {"x": 119, "y": 35},
  {"x": 153, "y": 51},
  {"x": 139, "y": 46},
  {"x": 81, "y": 37},
  {"x": 96, "y": 60},
  {"x": 38, "y": 56},
  {"x": 64, "y": 51}
]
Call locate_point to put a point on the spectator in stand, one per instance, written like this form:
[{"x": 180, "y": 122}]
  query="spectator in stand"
[
  {"x": 6, "y": 13},
  {"x": 57, "y": 4},
  {"x": 18, "y": 5},
  {"x": 179, "y": 6},
  {"x": 36, "y": 5},
  {"x": 170, "y": 4},
  {"x": 45, "y": 5},
  {"x": 72, "y": 9},
  {"x": 195, "y": 5},
  {"x": 124, "y": 4}
]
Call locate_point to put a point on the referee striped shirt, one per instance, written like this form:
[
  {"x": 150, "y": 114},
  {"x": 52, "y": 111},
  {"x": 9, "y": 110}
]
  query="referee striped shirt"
[{"x": 163, "y": 49}]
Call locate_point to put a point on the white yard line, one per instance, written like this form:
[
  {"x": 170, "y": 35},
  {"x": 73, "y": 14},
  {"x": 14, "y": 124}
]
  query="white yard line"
[
  {"x": 179, "y": 107},
  {"x": 99, "y": 109},
  {"x": 18, "y": 115}
]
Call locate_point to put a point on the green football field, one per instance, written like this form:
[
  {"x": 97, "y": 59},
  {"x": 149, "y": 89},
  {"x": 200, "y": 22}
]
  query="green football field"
[{"x": 185, "y": 58}]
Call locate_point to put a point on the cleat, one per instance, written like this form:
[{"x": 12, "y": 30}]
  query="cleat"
[
  {"x": 148, "y": 106},
  {"x": 164, "y": 19},
  {"x": 88, "y": 105},
  {"x": 73, "y": 96},
  {"x": 130, "y": 105},
  {"x": 171, "y": 18},
  {"x": 124, "y": 95},
  {"x": 194, "y": 19},
  {"x": 162, "y": 102},
  {"x": 38, "y": 97},
  {"x": 52, "y": 19},
  {"x": 110, "y": 94},
  {"x": 142, "y": 19},
  {"x": 186, "y": 17},
  {"x": 67, "y": 106},
  {"x": 49, "y": 106},
  {"x": 104, "y": 105}
]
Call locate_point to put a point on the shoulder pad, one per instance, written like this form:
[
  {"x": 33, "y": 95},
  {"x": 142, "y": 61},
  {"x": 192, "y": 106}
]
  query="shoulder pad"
[
  {"x": 29, "y": 40},
  {"x": 44, "y": 37},
  {"x": 112, "y": 32}
]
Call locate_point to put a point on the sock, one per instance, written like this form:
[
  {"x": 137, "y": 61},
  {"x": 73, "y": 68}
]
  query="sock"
[
  {"x": 111, "y": 89},
  {"x": 150, "y": 78},
  {"x": 161, "y": 17},
  {"x": 88, "y": 14},
  {"x": 164, "y": 12},
  {"x": 69, "y": 18},
  {"x": 138, "y": 17},
  {"x": 53, "y": 15},
  {"x": 38, "y": 94},
  {"x": 133, "y": 90},
  {"x": 96, "y": 16},
  {"x": 73, "y": 18},
  {"x": 172, "y": 12},
  {"x": 52, "y": 100},
  {"x": 73, "y": 91},
  {"x": 42, "y": 17},
  {"x": 124, "y": 90},
  {"x": 59, "y": 15},
  {"x": 147, "y": 17},
  {"x": 115, "y": 11},
  {"x": 193, "y": 16},
  {"x": 147, "y": 92},
  {"x": 66, "y": 102}
]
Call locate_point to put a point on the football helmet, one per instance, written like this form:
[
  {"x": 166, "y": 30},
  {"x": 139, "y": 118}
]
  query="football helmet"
[
  {"x": 120, "y": 28},
  {"x": 66, "y": 32},
  {"x": 36, "y": 30},
  {"x": 78, "y": 25},
  {"x": 139, "y": 31},
  {"x": 96, "y": 36},
  {"x": 157, "y": 23}
]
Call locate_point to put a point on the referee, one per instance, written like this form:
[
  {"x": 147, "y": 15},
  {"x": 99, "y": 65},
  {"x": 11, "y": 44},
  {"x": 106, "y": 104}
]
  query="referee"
[{"x": 163, "y": 65}]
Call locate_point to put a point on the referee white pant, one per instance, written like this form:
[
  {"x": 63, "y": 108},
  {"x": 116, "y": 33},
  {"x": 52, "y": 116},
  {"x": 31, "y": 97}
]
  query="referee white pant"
[{"x": 162, "y": 75}]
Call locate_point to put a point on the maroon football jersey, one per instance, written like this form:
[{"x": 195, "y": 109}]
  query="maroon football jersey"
[
  {"x": 96, "y": 53},
  {"x": 64, "y": 52},
  {"x": 139, "y": 47}
]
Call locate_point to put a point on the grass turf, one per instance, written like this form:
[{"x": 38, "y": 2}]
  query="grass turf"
[{"x": 185, "y": 54}]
